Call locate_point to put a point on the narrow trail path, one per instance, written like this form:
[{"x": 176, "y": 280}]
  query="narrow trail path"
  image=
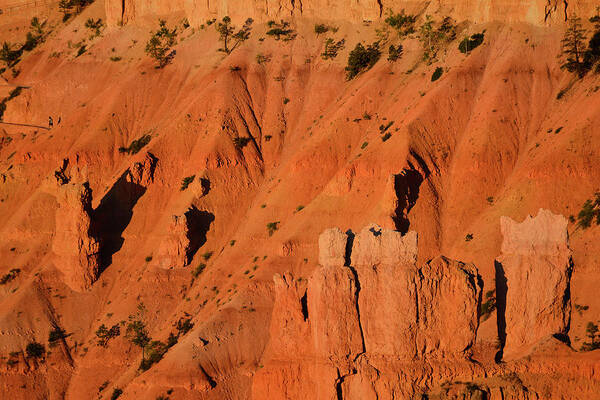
[{"x": 28, "y": 125}]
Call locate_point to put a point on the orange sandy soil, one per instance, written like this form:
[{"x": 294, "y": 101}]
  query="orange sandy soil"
[{"x": 490, "y": 127}]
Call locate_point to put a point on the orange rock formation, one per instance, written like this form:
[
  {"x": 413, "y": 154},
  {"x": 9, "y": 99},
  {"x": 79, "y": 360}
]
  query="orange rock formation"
[{"x": 172, "y": 236}]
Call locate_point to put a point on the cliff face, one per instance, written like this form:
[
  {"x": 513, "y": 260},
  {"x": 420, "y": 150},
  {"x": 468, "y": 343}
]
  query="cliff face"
[
  {"x": 535, "y": 267},
  {"x": 367, "y": 313},
  {"x": 76, "y": 248},
  {"x": 537, "y": 12},
  {"x": 371, "y": 324}
]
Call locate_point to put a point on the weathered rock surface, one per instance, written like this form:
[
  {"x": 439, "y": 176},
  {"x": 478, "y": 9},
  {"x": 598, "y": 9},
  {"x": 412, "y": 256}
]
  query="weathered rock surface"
[
  {"x": 76, "y": 249},
  {"x": 382, "y": 310},
  {"x": 332, "y": 247},
  {"x": 536, "y": 261},
  {"x": 407, "y": 312},
  {"x": 175, "y": 247},
  {"x": 142, "y": 172},
  {"x": 536, "y": 12}
]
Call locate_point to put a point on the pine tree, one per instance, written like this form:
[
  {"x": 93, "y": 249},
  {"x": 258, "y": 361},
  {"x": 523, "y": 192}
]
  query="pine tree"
[
  {"x": 573, "y": 46},
  {"x": 226, "y": 33}
]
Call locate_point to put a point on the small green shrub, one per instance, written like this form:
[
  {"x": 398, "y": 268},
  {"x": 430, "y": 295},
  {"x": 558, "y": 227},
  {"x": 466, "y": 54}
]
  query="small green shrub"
[
  {"x": 321, "y": 28},
  {"x": 115, "y": 394},
  {"x": 489, "y": 306},
  {"x": 386, "y": 137},
  {"x": 160, "y": 43},
  {"x": 81, "y": 50},
  {"x": 115, "y": 58},
  {"x": 35, "y": 350},
  {"x": 332, "y": 48},
  {"x": 272, "y": 227},
  {"x": 395, "y": 52},
  {"x": 384, "y": 128},
  {"x": 207, "y": 255},
  {"x": 70, "y": 7},
  {"x": 55, "y": 335},
  {"x": 136, "y": 145},
  {"x": 404, "y": 24},
  {"x": 10, "y": 276},
  {"x": 187, "y": 181},
  {"x": 437, "y": 74},
  {"x": 362, "y": 59},
  {"x": 95, "y": 26},
  {"x": 433, "y": 39},
  {"x": 227, "y": 34},
  {"x": 580, "y": 308},
  {"x": 262, "y": 59},
  {"x": 104, "y": 334},
  {"x": 470, "y": 43},
  {"x": 35, "y": 36},
  {"x": 198, "y": 270},
  {"x": 184, "y": 325},
  {"x": 364, "y": 145},
  {"x": 8, "y": 55},
  {"x": 591, "y": 333},
  {"x": 241, "y": 142},
  {"x": 589, "y": 211},
  {"x": 280, "y": 30},
  {"x": 469, "y": 237},
  {"x": 136, "y": 332},
  {"x": 103, "y": 386},
  {"x": 155, "y": 351}
]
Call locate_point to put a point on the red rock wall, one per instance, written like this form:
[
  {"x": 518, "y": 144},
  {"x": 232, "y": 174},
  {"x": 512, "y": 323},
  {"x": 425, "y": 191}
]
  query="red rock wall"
[
  {"x": 536, "y": 263},
  {"x": 536, "y": 12}
]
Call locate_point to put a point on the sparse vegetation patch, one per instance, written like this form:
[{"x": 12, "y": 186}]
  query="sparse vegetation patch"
[
  {"x": 228, "y": 35},
  {"x": 160, "y": 43},
  {"x": 332, "y": 48},
  {"x": 10, "y": 276},
  {"x": 470, "y": 43},
  {"x": 136, "y": 145},
  {"x": 187, "y": 181},
  {"x": 437, "y": 74},
  {"x": 362, "y": 59},
  {"x": 272, "y": 227}
]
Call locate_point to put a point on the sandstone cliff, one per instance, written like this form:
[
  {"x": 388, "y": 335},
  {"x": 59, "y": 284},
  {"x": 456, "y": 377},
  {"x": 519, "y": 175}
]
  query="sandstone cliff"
[
  {"x": 536, "y": 12},
  {"x": 76, "y": 248},
  {"x": 535, "y": 267},
  {"x": 352, "y": 326}
]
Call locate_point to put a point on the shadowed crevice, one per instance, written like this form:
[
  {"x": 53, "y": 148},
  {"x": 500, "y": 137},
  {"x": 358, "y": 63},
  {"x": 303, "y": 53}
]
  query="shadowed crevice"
[
  {"x": 501, "y": 292},
  {"x": 406, "y": 186},
  {"x": 566, "y": 300},
  {"x": 209, "y": 378},
  {"x": 199, "y": 222},
  {"x": 304, "y": 305},
  {"x": 113, "y": 215},
  {"x": 348, "y": 250}
]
